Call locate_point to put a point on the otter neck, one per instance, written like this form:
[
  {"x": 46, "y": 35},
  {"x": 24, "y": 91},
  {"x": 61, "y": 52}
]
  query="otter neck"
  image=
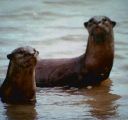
[
  {"x": 26, "y": 74},
  {"x": 99, "y": 54}
]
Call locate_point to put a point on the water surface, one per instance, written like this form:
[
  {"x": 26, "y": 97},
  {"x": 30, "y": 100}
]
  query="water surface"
[{"x": 55, "y": 28}]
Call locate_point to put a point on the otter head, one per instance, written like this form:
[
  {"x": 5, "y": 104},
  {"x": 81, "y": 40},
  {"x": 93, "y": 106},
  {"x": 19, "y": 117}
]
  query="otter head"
[
  {"x": 100, "y": 27},
  {"x": 23, "y": 56}
]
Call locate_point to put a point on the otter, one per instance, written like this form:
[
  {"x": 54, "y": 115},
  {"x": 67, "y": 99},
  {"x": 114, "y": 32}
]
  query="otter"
[
  {"x": 19, "y": 85},
  {"x": 91, "y": 68}
]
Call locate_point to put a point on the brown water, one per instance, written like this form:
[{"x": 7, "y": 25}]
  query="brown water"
[{"x": 55, "y": 28}]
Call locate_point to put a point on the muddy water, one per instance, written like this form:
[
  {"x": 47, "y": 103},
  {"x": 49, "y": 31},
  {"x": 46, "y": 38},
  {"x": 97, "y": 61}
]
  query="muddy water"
[{"x": 55, "y": 28}]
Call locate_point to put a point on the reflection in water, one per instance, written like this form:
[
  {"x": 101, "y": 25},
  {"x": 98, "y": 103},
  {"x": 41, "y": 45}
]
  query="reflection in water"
[
  {"x": 102, "y": 103},
  {"x": 97, "y": 103},
  {"x": 21, "y": 112}
]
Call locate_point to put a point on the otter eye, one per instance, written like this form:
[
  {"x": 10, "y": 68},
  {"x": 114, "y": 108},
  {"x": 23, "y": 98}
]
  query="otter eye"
[
  {"x": 104, "y": 19},
  {"x": 91, "y": 20},
  {"x": 20, "y": 52}
]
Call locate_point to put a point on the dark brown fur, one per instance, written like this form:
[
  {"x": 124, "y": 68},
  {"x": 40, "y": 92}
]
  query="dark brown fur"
[
  {"x": 19, "y": 85},
  {"x": 90, "y": 68}
]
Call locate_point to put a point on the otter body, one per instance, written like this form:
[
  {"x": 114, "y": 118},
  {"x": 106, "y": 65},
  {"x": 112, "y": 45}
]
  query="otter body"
[
  {"x": 19, "y": 85},
  {"x": 57, "y": 72},
  {"x": 90, "y": 68}
]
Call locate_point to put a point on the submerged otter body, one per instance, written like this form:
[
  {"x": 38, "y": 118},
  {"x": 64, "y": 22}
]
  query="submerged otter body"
[
  {"x": 90, "y": 68},
  {"x": 19, "y": 85}
]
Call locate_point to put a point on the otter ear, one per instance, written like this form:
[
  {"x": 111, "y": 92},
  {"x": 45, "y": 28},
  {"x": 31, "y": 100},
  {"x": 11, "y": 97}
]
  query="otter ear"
[
  {"x": 9, "y": 56},
  {"x": 37, "y": 52},
  {"x": 85, "y": 24},
  {"x": 113, "y": 23}
]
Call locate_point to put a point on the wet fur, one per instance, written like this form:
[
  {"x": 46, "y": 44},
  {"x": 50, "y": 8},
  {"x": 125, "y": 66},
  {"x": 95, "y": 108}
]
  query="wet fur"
[
  {"x": 90, "y": 68},
  {"x": 19, "y": 85}
]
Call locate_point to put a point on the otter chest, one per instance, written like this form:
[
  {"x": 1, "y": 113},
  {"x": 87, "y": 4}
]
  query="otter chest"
[{"x": 98, "y": 62}]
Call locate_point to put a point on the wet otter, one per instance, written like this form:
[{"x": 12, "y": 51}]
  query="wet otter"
[
  {"x": 19, "y": 85},
  {"x": 90, "y": 68}
]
